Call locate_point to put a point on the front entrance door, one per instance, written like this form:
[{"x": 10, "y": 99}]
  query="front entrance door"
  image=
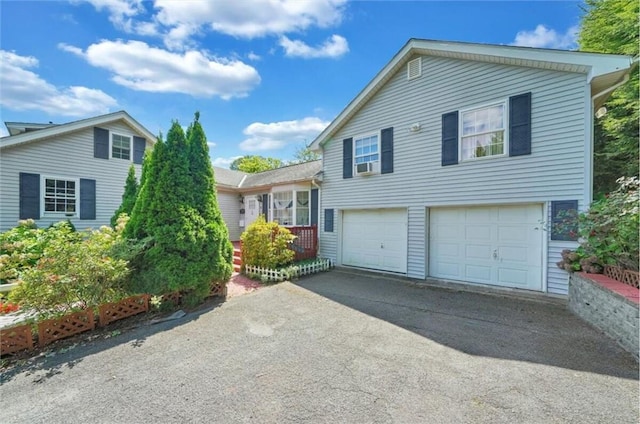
[{"x": 252, "y": 209}]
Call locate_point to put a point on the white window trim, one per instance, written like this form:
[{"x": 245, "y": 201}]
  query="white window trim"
[
  {"x": 111, "y": 134},
  {"x": 43, "y": 189},
  {"x": 461, "y": 112},
  {"x": 294, "y": 214},
  {"x": 377, "y": 134}
]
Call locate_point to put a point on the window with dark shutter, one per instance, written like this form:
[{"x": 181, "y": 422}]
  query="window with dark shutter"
[
  {"x": 347, "y": 158},
  {"x": 29, "y": 196},
  {"x": 314, "y": 206},
  {"x": 139, "y": 145},
  {"x": 265, "y": 206},
  {"x": 328, "y": 220},
  {"x": 450, "y": 138},
  {"x": 386, "y": 166},
  {"x": 520, "y": 125},
  {"x": 87, "y": 199},
  {"x": 564, "y": 220},
  {"x": 100, "y": 143}
]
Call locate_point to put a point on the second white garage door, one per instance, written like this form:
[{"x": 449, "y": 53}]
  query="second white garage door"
[
  {"x": 498, "y": 245},
  {"x": 375, "y": 239}
]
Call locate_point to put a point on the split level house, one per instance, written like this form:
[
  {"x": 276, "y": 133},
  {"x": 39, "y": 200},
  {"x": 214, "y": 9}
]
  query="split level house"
[
  {"x": 455, "y": 160},
  {"x": 73, "y": 171}
]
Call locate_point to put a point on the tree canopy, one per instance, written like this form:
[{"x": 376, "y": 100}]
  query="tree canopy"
[
  {"x": 253, "y": 164},
  {"x": 128, "y": 197},
  {"x": 304, "y": 154},
  {"x": 611, "y": 26}
]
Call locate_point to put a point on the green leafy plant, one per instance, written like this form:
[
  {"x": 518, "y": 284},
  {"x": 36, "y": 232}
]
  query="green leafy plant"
[
  {"x": 75, "y": 271},
  {"x": 608, "y": 232},
  {"x": 22, "y": 246},
  {"x": 266, "y": 244}
]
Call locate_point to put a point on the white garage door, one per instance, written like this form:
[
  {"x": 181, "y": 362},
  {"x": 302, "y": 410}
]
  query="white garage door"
[
  {"x": 375, "y": 239},
  {"x": 500, "y": 245}
]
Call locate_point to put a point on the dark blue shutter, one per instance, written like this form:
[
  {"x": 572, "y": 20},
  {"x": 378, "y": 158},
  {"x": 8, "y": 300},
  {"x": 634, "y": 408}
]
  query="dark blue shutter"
[
  {"x": 347, "y": 158},
  {"x": 29, "y": 196},
  {"x": 265, "y": 206},
  {"x": 450, "y": 138},
  {"x": 386, "y": 165},
  {"x": 520, "y": 125},
  {"x": 139, "y": 144},
  {"x": 87, "y": 199},
  {"x": 314, "y": 206},
  {"x": 100, "y": 143},
  {"x": 564, "y": 220},
  {"x": 328, "y": 220}
]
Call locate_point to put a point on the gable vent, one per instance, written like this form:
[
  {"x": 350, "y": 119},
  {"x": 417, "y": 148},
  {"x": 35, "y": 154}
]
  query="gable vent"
[{"x": 414, "y": 68}]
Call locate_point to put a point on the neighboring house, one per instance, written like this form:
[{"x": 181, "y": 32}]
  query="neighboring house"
[
  {"x": 454, "y": 160},
  {"x": 74, "y": 171},
  {"x": 288, "y": 195}
]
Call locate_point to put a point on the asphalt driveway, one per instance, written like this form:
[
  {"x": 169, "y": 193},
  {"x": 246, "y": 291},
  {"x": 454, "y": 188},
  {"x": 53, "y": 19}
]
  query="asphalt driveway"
[{"x": 340, "y": 347}]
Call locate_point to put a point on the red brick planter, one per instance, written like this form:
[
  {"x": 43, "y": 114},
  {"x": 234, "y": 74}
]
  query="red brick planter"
[
  {"x": 134, "y": 305},
  {"x": 15, "y": 339},
  {"x": 54, "y": 329}
]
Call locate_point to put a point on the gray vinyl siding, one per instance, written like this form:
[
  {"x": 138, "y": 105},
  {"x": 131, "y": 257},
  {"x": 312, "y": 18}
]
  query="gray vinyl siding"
[
  {"x": 68, "y": 156},
  {"x": 555, "y": 170},
  {"x": 230, "y": 208}
]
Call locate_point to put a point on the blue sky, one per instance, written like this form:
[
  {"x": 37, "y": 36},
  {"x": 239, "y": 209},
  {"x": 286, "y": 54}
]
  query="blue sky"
[{"x": 266, "y": 75}]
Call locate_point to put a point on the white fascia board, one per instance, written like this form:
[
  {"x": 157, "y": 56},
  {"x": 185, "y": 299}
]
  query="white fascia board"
[{"x": 75, "y": 126}]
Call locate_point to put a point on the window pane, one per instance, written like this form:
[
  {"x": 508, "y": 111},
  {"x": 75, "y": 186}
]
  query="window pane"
[{"x": 302, "y": 208}]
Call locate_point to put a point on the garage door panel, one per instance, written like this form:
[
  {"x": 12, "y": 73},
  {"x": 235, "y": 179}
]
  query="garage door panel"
[
  {"x": 480, "y": 232},
  {"x": 382, "y": 239},
  {"x": 466, "y": 250}
]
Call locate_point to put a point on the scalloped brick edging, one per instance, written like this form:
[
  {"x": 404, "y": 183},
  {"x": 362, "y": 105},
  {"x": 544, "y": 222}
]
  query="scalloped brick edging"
[
  {"x": 54, "y": 329},
  {"x": 114, "y": 311},
  {"x": 15, "y": 339}
]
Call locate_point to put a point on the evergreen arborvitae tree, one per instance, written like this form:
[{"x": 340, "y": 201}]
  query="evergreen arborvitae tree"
[
  {"x": 188, "y": 247},
  {"x": 219, "y": 248},
  {"x": 128, "y": 197}
]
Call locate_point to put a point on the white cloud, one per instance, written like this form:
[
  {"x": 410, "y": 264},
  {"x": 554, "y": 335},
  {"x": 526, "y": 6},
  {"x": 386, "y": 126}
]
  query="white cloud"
[
  {"x": 138, "y": 66},
  {"x": 23, "y": 89},
  {"x": 336, "y": 46},
  {"x": 224, "y": 162},
  {"x": 211, "y": 144},
  {"x": 245, "y": 19},
  {"x": 276, "y": 135},
  {"x": 544, "y": 37},
  {"x": 121, "y": 12},
  {"x": 253, "y": 57}
]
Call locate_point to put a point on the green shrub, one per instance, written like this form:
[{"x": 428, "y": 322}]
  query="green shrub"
[
  {"x": 128, "y": 197},
  {"x": 75, "y": 271},
  {"x": 266, "y": 244},
  {"x": 609, "y": 232},
  {"x": 186, "y": 242},
  {"x": 610, "y": 229},
  {"x": 22, "y": 246}
]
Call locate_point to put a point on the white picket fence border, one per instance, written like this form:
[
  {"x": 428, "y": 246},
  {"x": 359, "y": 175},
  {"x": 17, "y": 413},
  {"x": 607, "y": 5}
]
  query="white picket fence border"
[{"x": 268, "y": 275}]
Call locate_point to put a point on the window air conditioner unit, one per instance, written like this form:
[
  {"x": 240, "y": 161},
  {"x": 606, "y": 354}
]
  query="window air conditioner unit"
[{"x": 364, "y": 168}]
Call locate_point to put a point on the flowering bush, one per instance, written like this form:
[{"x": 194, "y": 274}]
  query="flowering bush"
[
  {"x": 266, "y": 244},
  {"x": 8, "y": 307},
  {"x": 75, "y": 271},
  {"x": 609, "y": 231}
]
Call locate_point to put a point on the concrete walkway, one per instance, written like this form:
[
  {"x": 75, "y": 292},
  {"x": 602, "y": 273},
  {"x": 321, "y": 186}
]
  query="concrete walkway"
[{"x": 340, "y": 347}]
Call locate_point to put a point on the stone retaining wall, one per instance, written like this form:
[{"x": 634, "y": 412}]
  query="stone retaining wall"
[{"x": 608, "y": 305}]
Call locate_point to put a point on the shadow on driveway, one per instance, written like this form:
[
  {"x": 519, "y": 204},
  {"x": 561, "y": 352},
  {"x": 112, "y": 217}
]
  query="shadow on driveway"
[
  {"x": 499, "y": 325},
  {"x": 68, "y": 353}
]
